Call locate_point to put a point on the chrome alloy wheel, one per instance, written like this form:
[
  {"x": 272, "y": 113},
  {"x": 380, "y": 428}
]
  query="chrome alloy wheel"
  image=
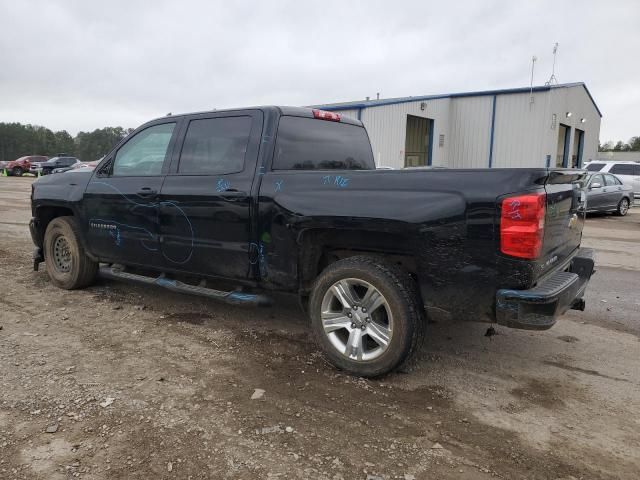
[
  {"x": 624, "y": 206},
  {"x": 357, "y": 319},
  {"x": 62, "y": 255}
]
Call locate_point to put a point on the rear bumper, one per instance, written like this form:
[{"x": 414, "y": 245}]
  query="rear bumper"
[{"x": 538, "y": 308}]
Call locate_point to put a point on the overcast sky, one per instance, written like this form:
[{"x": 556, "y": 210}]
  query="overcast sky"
[{"x": 80, "y": 65}]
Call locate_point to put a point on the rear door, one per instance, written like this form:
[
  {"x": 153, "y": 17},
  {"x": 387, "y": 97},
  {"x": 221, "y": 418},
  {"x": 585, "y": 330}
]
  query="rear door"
[
  {"x": 613, "y": 190},
  {"x": 206, "y": 204},
  {"x": 121, "y": 202}
]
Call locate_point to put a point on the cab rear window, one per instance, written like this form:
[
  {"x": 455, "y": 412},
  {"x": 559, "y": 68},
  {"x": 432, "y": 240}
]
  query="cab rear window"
[{"x": 312, "y": 144}]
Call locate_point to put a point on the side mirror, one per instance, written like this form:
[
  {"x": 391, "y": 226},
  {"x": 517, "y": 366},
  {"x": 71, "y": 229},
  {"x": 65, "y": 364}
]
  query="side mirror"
[{"x": 595, "y": 185}]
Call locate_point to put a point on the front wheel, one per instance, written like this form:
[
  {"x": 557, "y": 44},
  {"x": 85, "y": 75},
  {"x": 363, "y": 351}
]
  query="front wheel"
[
  {"x": 366, "y": 315},
  {"x": 623, "y": 207},
  {"x": 17, "y": 172},
  {"x": 67, "y": 263}
]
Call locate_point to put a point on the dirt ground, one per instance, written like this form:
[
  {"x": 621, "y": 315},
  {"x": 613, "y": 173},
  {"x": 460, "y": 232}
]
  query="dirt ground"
[{"x": 120, "y": 381}]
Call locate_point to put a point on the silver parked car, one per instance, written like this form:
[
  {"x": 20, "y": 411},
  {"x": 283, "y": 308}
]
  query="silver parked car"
[{"x": 607, "y": 193}]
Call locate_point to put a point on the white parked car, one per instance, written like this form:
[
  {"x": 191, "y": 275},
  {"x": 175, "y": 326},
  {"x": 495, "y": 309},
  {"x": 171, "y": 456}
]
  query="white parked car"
[{"x": 628, "y": 172}]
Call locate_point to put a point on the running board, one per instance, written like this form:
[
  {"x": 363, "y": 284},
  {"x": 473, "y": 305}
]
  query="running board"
[{"x": 235, "y": 298}]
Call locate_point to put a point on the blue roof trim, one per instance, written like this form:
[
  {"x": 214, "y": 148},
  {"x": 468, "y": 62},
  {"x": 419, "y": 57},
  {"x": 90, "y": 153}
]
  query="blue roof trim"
[
  {"x": 506, "y": 91},
  {"x": 592, "y": 100}
]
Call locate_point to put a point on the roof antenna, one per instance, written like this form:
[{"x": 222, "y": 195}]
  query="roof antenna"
[
  {"x": 534, "y": 59},
  {"x": 552, "y": 79}
]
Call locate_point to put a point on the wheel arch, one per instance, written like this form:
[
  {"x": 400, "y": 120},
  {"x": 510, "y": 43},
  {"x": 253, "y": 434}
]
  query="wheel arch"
[
  {"x": 319, "y": 248},
  {"x": 44, "y": 214}
]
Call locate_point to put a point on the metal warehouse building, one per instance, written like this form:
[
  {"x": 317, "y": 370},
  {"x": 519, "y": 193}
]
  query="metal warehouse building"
[{"x": 556, "y": 125}]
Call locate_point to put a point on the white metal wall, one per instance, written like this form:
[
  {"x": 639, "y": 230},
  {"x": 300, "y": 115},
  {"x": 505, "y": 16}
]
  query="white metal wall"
[
  {"x": 349, "y": 113},
  {"x": 470, "y": 130},
  {"x": 521, "y": 133},
  {"x": 576, "y": 101},
  {"x": 524, "y": 133},
  {"x": 387, "y": 127}
]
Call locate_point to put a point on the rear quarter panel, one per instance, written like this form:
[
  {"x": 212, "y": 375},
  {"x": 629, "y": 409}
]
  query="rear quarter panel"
[{"x": 444, "y": 219}]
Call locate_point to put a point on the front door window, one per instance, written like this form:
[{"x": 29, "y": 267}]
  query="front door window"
[{"x": 144, "y": 154}]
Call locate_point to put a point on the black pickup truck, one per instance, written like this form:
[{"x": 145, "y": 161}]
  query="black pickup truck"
[{"x": 239, "y": 203}]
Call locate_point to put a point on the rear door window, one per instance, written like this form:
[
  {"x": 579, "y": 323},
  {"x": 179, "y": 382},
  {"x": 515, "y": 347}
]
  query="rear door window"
[
  {"x": 595, "y": 167},
  {"x": 311, "y": 144},
  {"x": 610, "y": 180},
  {"x": 622, "y": 169},
  {"x": 215, "y": 146}
]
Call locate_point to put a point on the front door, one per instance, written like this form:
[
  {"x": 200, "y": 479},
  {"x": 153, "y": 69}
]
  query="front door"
[
  {"x": 206, "y": 203},
  {"x": 121, "y": 202},
  {"x": 597, "y": 197}
]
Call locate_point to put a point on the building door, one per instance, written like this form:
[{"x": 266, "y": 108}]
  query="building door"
[
  {"x": 578, "y": 146},
  {"x": 419, "y": 141},
  {"x": 562, "y": 152}
]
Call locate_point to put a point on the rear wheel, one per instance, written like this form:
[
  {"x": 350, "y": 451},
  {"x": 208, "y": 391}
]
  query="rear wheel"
[
  {"x": 623, "y": 207},
  {"x": 67, "y": 263},
  {"x": 366, "y": 315},
  {"x": 17, "y": 172}
]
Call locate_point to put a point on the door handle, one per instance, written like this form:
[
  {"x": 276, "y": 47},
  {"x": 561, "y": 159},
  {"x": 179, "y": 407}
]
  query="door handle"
[
  {"x": 146, "y": 192},
  {"x": 233, "y": 195}
]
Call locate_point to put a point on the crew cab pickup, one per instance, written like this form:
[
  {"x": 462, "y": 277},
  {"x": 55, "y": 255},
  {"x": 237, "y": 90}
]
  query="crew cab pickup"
[{"x": 287, "y": 199}]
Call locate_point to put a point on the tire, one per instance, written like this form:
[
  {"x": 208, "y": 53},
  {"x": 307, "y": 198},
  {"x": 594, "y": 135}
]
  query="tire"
[
  {"x": 623, "y": 207},
  {"x": 17, "y": 172},
  {"x": 67, "y": 263},
  {"x": 399, "y": 316}
]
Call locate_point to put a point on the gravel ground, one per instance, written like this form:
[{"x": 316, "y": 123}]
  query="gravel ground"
[{"x": 120, "y": 381}]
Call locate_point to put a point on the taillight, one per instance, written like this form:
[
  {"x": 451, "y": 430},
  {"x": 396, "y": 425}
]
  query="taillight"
[
  {"x": 324, "y": 115},
  {"x": 522, "y": 225}
]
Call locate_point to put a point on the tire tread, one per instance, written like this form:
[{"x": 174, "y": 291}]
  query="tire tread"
[{"x": 87, "y": 268}]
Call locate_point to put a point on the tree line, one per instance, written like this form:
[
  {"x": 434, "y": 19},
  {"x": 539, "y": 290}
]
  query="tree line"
[
  {"x": 633, "y": 145},
  {"x": 18, "y": 140}
]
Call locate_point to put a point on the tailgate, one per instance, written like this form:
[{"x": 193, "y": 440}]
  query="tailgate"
[{"x": 564, "y": 218}]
